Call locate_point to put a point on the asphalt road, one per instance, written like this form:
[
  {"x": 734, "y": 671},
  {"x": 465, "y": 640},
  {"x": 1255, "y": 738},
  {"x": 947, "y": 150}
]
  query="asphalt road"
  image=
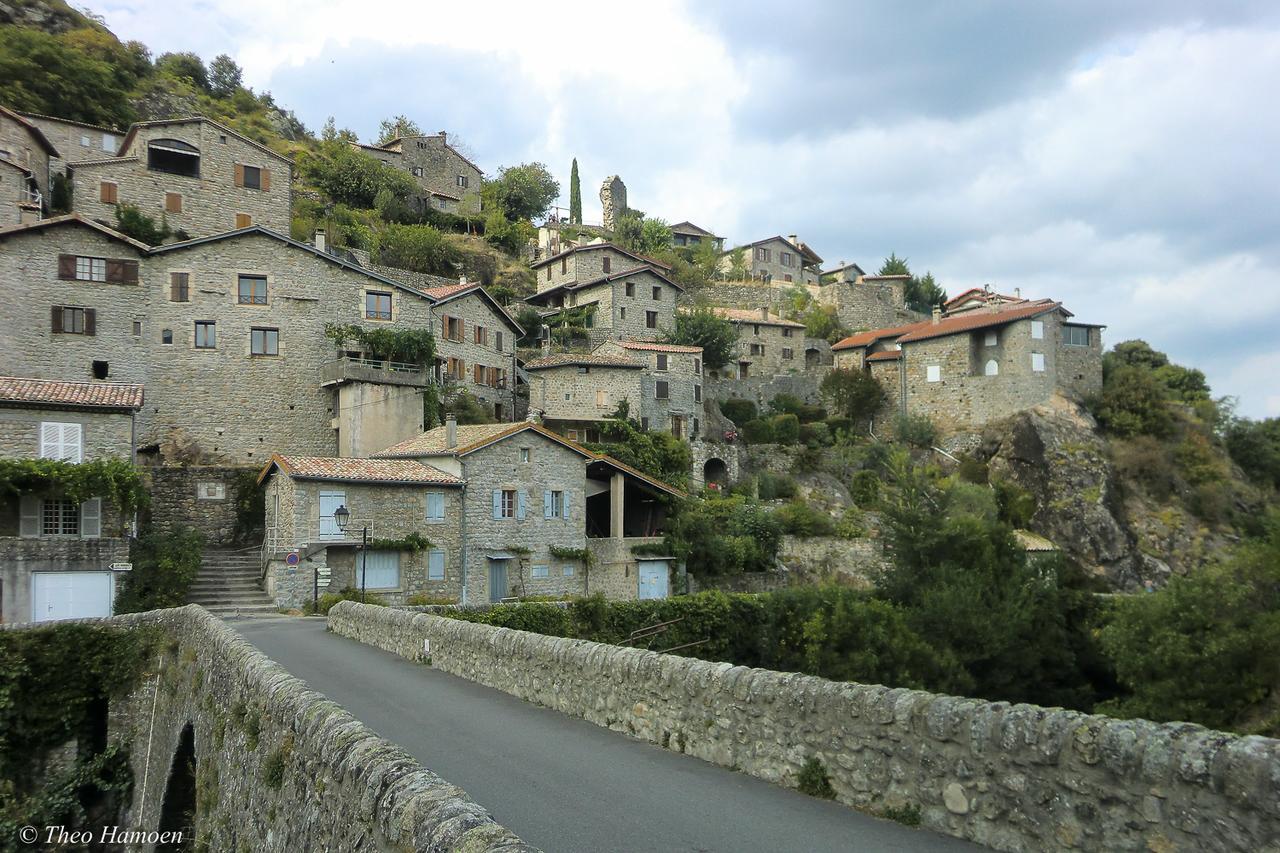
[{"x": 561, "y": 783}]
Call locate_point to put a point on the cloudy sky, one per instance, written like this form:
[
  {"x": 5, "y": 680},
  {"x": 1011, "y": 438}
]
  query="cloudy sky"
[{"x": 1117, "y": 156}]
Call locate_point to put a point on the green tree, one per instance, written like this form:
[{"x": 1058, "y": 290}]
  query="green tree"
[
  {"x": 352, "y": 177},
  {"x": 894, "y": 265},
  {"x": 658, "y": 454},
  {"x": 132, "y": 222},
  {"x": 397, "y": 127},
  {"x": 738, "y": 264},
  {"x": 702, "y": 327},
  {"x": 575, "y": 195},
  {"x": 331, "y": 133},
  {"x": 225, "y": 76},
  {"x": 1255, "y": 447},
  {"x": 48, "y": 74},
  {"x": 523, "y": 192},
  {"x": 420, "y": 248},
  {"x": 719, "y": 535},
  {"x": 922, "y": 294},
  {"x": 1132, "y": 403},
  {"x": 853, "y": 394},
  {"x": 184, "y": 66}
]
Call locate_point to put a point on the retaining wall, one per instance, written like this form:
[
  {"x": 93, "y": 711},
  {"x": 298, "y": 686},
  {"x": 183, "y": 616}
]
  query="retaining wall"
[{"x": 1013, "y": 777}]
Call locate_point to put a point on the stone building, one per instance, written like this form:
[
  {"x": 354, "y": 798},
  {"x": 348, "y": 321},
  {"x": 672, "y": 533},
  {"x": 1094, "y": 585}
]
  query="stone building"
[
  {"x": 476, "y": 346},
  {"x": 25, "y": 176},
  {"x": 76, "y": 140},
  {"x": 198, "y": 176},
  {"x": 448, "y": 181},
  {"x": 968, "y": 368},
  {"x": 767, "y": 344},
  {"x": 56, "y": 554},
  {"x": 867, "y": 301},
  {"x": 613, "y": 200},
  {"x": 778, "y": 259},
  {"x": 687, "y": 235}
]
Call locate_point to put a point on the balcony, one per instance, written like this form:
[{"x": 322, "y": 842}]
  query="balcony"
[{"x": 379, "y": 371}]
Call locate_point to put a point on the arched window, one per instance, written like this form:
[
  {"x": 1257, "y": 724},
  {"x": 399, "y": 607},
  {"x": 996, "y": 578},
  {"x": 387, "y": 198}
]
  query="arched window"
[
  {"x": 993, "y": 368},
  {"x": 174, "y": 157}
]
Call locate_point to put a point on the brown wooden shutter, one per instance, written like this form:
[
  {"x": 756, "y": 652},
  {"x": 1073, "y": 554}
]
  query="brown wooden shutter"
[
  {"x": 265, "y": 180},
  {"x": 57, "y": 318},
  {"x": 239, "y": 174},
  {"x": 444, "y": 326},
  {"x": 115, "y": 270},
  {"x": 109, "y": 192},
  {"x": 173, "y": 202},
  {"x": 67, "y": 267},
  {"x": 243, "y": 220},
  {"x": 90, "y": 321},
  {"x": 130, "y": 272}
]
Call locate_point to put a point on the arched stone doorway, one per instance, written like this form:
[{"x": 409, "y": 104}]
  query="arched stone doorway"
[
  {"x": 812, "y": 358},
  {"x": 715, "y": 471},
  {"x": 178, "y": 810}
]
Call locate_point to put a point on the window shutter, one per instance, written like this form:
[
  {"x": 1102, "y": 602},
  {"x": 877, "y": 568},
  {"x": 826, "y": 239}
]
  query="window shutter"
[
  {"x": 497, "y": 503},
  {"x": 29, "y": 526},
  {"x": 50, "y": 441},
  {"x": 522, "y": 499},
  {"x": 66, "y": 267},
  {"x": 90, "y": 321},
  {"x": 130, "y": 272},
  {"x": 564, "y": 508},
  {"x": 115, "y": 271},
  {"x": 444, "y": 326},
  {"x": 239, "y": 174},
  {"x": 72, "y": 448},
  {"x": 546, "y": 503},
  {"x": 56, "y": 318},
  {"x": 91, "y": 518},
  {"x": 265, "y": 180}
]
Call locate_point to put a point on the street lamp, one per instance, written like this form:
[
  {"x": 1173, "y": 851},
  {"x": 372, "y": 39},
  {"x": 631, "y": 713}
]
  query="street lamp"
[{"x": 342, "y": 517}]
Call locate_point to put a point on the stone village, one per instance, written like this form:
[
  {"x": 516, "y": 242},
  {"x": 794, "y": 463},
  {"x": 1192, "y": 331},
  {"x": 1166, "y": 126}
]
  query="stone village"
[{"x": 207, "y": 360}]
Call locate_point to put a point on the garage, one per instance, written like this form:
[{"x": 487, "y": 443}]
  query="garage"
[{"x": 71, "y": 595}]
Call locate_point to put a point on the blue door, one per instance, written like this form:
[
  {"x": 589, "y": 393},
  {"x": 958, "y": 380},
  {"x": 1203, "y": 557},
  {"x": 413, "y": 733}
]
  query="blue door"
[
  {"x": 497, "y": 579},
  {"x": 652, "y": 575}
]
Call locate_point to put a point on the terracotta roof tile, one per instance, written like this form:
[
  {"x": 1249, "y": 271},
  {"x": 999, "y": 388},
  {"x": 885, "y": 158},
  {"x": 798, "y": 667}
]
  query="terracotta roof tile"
[
  {"x": 351, "y": 470},
  {"x": 86, "y": 395},
  {"x": 885, "y": 355},
  {"x": 586, "y": 359},
  {"x": 445, "y": 291},
  {"x": 952, "y": 325},
  {"x": 742, "y": 315},
  {"x": 657, "y": 346}
]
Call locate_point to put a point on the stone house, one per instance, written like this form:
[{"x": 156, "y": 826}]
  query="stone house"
[
  {"x": 848, "y": 273},
  {"x": 965, "y": 369},
  {"x": 980, "y": 297},
  {"x": 778, "y": 259},
  {"x": 56, "y": 555},
  {"x": 448, "y": 181},
  {"x": 76, "y": 140},
  {"x": 556, "y": 236},
  {"x": 25, "y": 154},
  {"x": 198, "y": 176},
  {"x": 534, "y": 503},
  {"x": 767, "y": 344},
  {"x": 686, "y": 234},
  {"x": 867, "y": 301},
  {"x": 476, "y": 346},
  {"x": 579, "y": 264}
]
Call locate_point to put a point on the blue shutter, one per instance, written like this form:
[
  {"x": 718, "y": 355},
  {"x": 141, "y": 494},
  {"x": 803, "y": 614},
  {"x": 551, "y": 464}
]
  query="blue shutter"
[
  {"x": 497, "y": 503},
  {"x": 565, "y": 513},
  {"x": 522, "y": 498},
  {"x": 546, "y": 504}
]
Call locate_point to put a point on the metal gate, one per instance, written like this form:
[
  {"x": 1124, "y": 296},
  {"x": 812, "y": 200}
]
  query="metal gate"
[{"x": 653, "y": 578}]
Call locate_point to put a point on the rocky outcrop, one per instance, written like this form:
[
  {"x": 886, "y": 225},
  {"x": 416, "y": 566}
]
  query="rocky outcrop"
[{"x": 49, "y": 17}]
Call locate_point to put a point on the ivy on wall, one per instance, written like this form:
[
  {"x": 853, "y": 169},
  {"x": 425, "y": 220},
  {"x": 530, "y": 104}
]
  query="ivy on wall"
[
  {"x": 413, "y": 346},
  {"x": 116, "y": 480}
]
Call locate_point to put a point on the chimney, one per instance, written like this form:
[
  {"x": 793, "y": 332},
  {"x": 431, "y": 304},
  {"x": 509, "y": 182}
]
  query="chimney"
[
  {"x": 462, "y": 279},
  {"x": 764, "y": 313},
  {"x": 450, "y": 431},
  {"x": 444, "y": 137},
  {"x": 794, "y": 240},
  {"x": 320, "y": 241},
  {"x": 546, "y": 340},
  {"x": 1017, "y": 293},
  {"x": 937, "y": 314}
]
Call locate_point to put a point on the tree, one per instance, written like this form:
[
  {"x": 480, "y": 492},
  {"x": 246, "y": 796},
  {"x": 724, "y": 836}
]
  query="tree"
[
  {"x": 922, "y": 294},
  {"x": 635, "y": 232},
  {"x": 894, "y": 265},
  {"x": 719, "y": 535},
  {"x": 420, "y": 248},
  {"x": 702, "y": 327},
  {"x": 853, "y": 394},
  {"x": 575, "y": 195},
  {"x": 352, "y": 177},
  {"x": 397, "y": 127},
  {"x": 224, "y": 76},
  {"x": 48, "y": 74},
  {"x": 132, "y": 222},
  {"x": 1255, "y": 447},
  {"x": 330, "y": 133},
  {"x": 523, "y": 192},
  {"x": 184, "y": 66},
  {"x": 658, "y": 454},
  {"x": 738, "y": 264},
  {"x": 1132, "y": 403}
]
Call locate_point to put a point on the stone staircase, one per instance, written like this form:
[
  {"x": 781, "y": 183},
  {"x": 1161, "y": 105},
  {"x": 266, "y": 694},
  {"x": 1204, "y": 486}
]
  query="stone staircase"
[{"x": 227, "y": 584}]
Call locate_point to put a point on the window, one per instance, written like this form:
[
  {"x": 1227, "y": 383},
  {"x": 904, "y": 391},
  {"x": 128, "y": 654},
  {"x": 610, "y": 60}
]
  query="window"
[
  {"x": 662, "y": 360},
  {"x": 173, "y": 202},
  {"x": 252, "y": 290},
  {"x": 548, "y": 272},
  {"x": 757, "y": 349},
  {"x": 697, "y": 366},
  {"x": 1037, "y": 362},
  {"x": 572, "y": 435},
  {"x": 85, "y": 142},
  {"x": 761, "y": 254},
  {"x": 243, "y": 220},
  {"x": 566, "y": 571},
  {"x": 787, "y": 353},
  {"x": 786, "y": 276},
  {"x": 651, "y": 319},
  {"x": 553, "y": 505},
  {"x": 464, "y": 181},
  {"x": 990, "y": 340},
  {"x": 457, "y": 368},
  {"x": 540, "y": 571},
  {"x": 137, "y": 328},
  {"x": 564, "y": 265},
  {"x": 435, "y": 565},
  {"x": 435, "y": 506},
  {"x": 110, "y": 142},
  {"x": 622, "y": 313},
  {"x": 786, "y": 259},
  {"x": 657, "y": 293},
  {"x": 992, "y": 368},
  {"x": 602, "y": 399},
  {"x": 264, "y": 341},
  {"x": 179, "y": 287},
  {"x": 206, "y": 335},
  {"x": 507, "y": 507},
  {"x": 697, "y": 393},
  {"x": 644, "y": 424},
  {"x": 524, "y": 454},
  {"x": 631, "y": 288},
  {"x": 755, "y": 329},
  {"x": 60, "y": 517},
  {"x": 477, "y": 374},
  {"x": 68, "y": 320},
  {"x": 222, "y": 137},
  {"x": 101, "y": 369},
  {"x": 1037, "y": 330},
  {"x": 497, "y": 341},
  {"x": 787, "y": 331},
  {"x": 377, "y": 306},
  {"x": 166, "y": 336},
  {"x": 174, "y": 157},
  {"x": 417, "y": 171},
  {"x": 60, "y": 441},
  {"x": 451, "y": 326},
  {"x": 252, "y": 177},
  {"x": 381, "y": 570},
  {"x": 661, "y": 390},
  {"x": 91, "y": 269},
  {"x": 1075, "y": 336},
  {"x": 480, "y": 335},
  {"x": 109, "y": 192},
  {"x": 211, "y": 491},
  {"x": 933, "y": 373}
]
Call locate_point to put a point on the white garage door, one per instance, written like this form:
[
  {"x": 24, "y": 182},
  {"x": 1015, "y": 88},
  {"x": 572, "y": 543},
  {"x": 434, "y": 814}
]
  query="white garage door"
[{"x": 71, "y": 595}]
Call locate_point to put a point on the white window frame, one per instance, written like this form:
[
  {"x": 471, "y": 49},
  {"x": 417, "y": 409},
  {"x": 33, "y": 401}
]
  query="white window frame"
[
  {"x": 566, "y": 571},
  {"x": 933, "y": 373},
  {"x": 556, "y": 507},
  {"x": 990, "y": 340},
  {"x": 62, "y": 441},
  {"x": 1037, "y": 330},
  {"x": 509, "y": 502},
  {"x": 1037, "y": 362},
  {"x": 90, "y": 269},
  {"x": 539, "y": 572}
]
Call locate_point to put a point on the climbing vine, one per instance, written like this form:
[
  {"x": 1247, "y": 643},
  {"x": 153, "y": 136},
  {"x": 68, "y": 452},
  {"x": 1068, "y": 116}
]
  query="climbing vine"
[
  {"x": 413, "y": 346},
  {"x": 582, "y": 555},
  {"x": 413, "y": 542},
  {"x": 116, "y": 480}
]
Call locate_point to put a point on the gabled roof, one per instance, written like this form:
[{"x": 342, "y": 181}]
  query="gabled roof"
[
  {"x": 593, "y": 247},
  {"x": 5, "y": 161},
  {"x": 657, "y": 346},
  {"x": 618, "y": 465},
  {"x": 844, "y": 267},
  {"x": 468, "y": 439},
  {"x": 688, "y": 227},
  {"x": 582, "y": 359},
  {"x": 885, "y": 355},
  {"x": 101, "y": 161},
  {"x": 799, "y": 246},
  {"x": 604, "y": 279},
  {"x": 102, "y": 127},
  {"x": 985, "y": 295},
  {"x": 953, "y": 325},
  {"x": 406, "y": 472},
  {"x": 20, "y": 391},
  {"x": 386, "y": 146},
  {"x": 72, "y": 219},
  {"x": 133, "y": 131},
  {"x": 449, "y": 292},
  {"x": 742, "y": 315},
  {"x": 36, "y": 133},
  {"x": 289, "y": 241}
]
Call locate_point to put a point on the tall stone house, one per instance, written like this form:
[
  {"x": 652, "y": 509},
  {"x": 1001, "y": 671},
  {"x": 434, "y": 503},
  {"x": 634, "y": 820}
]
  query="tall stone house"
[
  {"x": 198, "y": 176},
  {"x": 979, "y": 364},
  {"x": 777, "y": 260},
  {"x": 25, "y": 176},
  {"x": 508, "y": 509},
  {"x": 448, "y": 181},
  {"x": 56, "y": 554},
  {"x": 865, "y": 301},
  {"x": 767, "y": 344},
  {"x": 687, "y": 235}
]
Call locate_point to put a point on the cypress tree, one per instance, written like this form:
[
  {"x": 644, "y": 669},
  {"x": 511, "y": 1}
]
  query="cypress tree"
[{"x": 575, "y": 195}]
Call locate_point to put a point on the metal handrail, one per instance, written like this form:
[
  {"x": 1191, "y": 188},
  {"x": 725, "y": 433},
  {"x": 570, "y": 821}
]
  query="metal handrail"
[{"x": 383, "y": 364}]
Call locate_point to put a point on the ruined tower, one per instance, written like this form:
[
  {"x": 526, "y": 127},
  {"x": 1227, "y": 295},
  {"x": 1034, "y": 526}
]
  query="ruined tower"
[{"x": 613, "y": 198}]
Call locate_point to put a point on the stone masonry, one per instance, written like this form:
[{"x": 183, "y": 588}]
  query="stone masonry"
[
  {"x": 449, "y": 181},
  {"x": 1011, "y": 777},
  {"x": 613, "y": 199}
]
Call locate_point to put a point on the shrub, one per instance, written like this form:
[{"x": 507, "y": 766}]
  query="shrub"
[
  {"x": 815, "y": 435},
  {"x": 352, "y": 177},
  {"x": 852, "y": 524},
  {"x": 1198, "y": 459},
  {"x": 853, "y": 394},
  {"x": 419, "y": 248},
  {"x": 724, "y": 535},
  {"x": 915, "y": 430},
  {"x": 164, "y": 566},
  {"x": 738, "y": 410},
  {"x": 814, "y": 781},
  {"x": 758, "y": 431},
  {"x": 774, "y": 486},
  {"x": 800, "y": 519},
  {"x": 790, "y": 404},
  {"x": 1015, "y": 505},
  {"x": 972, "y": 470},
  {"x": 838, "y": 425},
  {"x": 348, "y": 594},
  {"x": 1132, "y": 403},
  {"x": 1255, "y": 447},
  {"x": 785, "y": 429},
  {"x": 1146, "y": 462},
  {"x": 419, "y": 599},
  {"x": 132, "y": 222},
  {"x": 864, "y": 488}
]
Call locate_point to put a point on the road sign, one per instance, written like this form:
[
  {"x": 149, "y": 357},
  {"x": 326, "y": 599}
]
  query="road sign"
[
  {"x": 121, "y": 567},
  {"x": 291, "y": 559}
]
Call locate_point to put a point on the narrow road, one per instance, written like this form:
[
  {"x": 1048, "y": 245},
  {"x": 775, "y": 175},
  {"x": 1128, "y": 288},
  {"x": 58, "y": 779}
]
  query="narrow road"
[{"x": 564, "y": 784}]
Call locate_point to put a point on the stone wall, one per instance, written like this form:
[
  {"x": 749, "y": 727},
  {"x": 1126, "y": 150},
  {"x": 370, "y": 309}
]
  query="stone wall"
[
  {"x": 852, "y": 560},
  {"x": 748, "y": 582},
  {"x": 762, "y": 389},
  {"x": 476, "y": 312},
  {"x": 439, "y": 167},
  {"x": 20, "y": 146},
  {"x": 198, "y": 496},
  {"x": 740, "y": 295},
  {"x": 866, "y": 304},
  {"x": 338, "y": 786},
  {"x": 102, "y": 434},
  {"x": 1012, "y": 777}
]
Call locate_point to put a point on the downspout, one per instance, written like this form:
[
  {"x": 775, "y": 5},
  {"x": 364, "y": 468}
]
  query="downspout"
[
  {"x": 464, "y": 550},
  {"x": 902, "y": 380}
]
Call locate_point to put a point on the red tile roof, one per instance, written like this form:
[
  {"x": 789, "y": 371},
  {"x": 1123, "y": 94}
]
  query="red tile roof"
[
  {"x": 586, "y": 359},
  {"x": 885, "y": 355},
  {"x": 655, "y": 346},
  {"x": 80, "y": 395},
  {"x": 952, "y": 325},
  {"x": 350, "y": 470},
  {"x": 741, "y": 315},
  {"x": 445, "y": 291}
]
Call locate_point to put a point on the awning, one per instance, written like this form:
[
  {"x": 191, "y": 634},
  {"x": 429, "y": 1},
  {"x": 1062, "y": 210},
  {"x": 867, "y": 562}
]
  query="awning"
[{"x": 500, "y": 555}]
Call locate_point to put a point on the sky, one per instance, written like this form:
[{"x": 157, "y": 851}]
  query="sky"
[{"x": 1119, "y": 157}]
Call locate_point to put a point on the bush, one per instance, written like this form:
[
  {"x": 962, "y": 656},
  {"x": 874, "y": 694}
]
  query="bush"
[
  {"x": 348, "y": 594},
  {"x": 419, "y": 599},
  {"x": 658, "y": 454},
  {"x": 758, "y": 431},
  {"x": 419, "y": 248},
  {"x": 1015, "y": 505},
  {"x": 838, "y": 425},
  {"x": 972, "y": 470},
  {"x": 164, "y": 566},
  {"x": 800, "y": 519},
  {"x": 852, "y": 524},
  {"x": 1255, "y": 447},
  {"x": 1132, "y": 403},
  {"x": 915, "y": 430},
  {"x": 352, "y": 177},
  {"x": 774, "y": 486},
  {"x": 790, "y": 404},
  {"x": 1199, "y": 460},
  {"x": 864, "y": 489},
  {"x": 538, "y": 617},
  {"x": 785, "y": 429},
  {"x": 853, "y": 394},
  {"x": 738, "y": 410},
  {"x": 724, "y": 535},
  {"x": 132, "y": 222},
  {"x": 1146, "y": 462},
  {"x": 814, "y": 781}
]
